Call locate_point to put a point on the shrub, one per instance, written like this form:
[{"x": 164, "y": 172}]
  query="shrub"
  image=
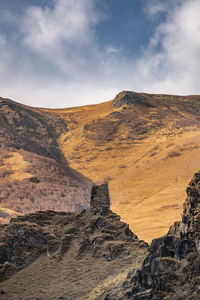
[
  {"x": 92, "y": 224},
  {"x": 34, "y": 179},
  {"x": 173, "y": 154},
  {"x": 69, "y": 230}
]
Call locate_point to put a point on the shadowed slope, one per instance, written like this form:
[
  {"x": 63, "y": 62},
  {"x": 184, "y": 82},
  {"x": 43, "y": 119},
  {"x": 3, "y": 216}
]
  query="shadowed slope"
[{"x": 33, "y": 172}]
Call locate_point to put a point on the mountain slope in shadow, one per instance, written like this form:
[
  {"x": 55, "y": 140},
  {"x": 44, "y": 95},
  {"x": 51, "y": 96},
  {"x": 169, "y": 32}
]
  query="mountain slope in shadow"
[{"x": 33, "y": 172}]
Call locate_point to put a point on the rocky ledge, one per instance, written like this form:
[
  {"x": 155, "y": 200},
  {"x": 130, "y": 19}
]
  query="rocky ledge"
[
  {"x": 172, "y": 268},
  {"x": 97, "y": 232}
]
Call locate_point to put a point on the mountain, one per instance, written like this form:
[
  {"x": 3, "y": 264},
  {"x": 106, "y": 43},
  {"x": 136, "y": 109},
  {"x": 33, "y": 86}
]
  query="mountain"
[
  {"x": 145, "y": 146},
  {"x": 172, "y": 268},
  {"x": 59, "y": 255},
  {"x": 34, "y": 175}
]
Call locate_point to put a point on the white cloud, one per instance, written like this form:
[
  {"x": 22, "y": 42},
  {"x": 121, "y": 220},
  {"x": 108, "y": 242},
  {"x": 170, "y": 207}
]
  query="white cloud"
[
  {"x": 54, "y": 59},
  {"x": 171, "y": 63},
  {"x": 57, "y": 54}
]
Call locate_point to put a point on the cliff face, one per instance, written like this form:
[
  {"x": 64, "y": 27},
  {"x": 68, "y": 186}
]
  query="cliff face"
[
  {"x": 172, "y": 268},
  {"x": 51, "y": 246}
]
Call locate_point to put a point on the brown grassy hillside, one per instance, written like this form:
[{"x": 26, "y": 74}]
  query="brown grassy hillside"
[
  {"x": 33, "y": 172},
  {"x": 146, "y": 146}
]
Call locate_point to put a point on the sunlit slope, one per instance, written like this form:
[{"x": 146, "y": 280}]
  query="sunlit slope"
[{"x": 146, "y": 146}]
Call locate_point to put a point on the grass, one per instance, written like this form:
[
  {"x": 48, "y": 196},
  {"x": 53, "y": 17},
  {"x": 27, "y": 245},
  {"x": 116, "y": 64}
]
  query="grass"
[
  {"x": 111, "y": 282},
  {"x": 141, "y": 142},
  {"x": 112, "y": 138},
  {"x": 14, "y": 167}
]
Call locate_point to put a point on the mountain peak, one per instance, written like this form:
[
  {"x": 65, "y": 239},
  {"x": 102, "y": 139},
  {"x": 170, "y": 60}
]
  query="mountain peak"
[{"x": 129, "y": 97}]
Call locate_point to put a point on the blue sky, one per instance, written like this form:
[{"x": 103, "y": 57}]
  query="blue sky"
[{"x": 61, "y": 53}]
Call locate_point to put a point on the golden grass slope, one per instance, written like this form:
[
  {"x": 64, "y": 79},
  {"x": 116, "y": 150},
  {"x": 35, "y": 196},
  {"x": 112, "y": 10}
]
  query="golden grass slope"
[
  {"x": 148, "y": 153},
  {"x": 146, "y": 146},
  {"x": 15, "y": 166}
]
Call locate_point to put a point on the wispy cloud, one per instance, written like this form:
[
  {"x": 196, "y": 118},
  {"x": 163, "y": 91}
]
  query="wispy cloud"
[{"x": 53, "y": 58}]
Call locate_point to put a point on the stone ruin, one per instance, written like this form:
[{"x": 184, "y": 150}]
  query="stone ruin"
[{"x": 100, "y": 199}]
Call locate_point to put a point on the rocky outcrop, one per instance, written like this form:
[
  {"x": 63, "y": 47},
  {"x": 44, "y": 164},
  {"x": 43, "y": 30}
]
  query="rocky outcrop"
[
  {"x": 97, "y": 232},
  {"x": 172, "y": 268},
  {"x": 100, "y": 199},
  {"x": 128, "y": 97}
]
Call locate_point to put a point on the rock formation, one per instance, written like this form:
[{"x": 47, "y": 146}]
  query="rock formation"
[
  {"x": 172, "y": 268},
  {"x": 96, "y": 233},
  {"x": 100, "y": 199},
  {"x": 128, "y": 97}
]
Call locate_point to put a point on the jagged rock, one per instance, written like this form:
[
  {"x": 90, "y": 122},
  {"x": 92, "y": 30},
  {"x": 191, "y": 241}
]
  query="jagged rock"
[
  {"x": 172, "y": 268},
  {"x": 98, "y": 231}
]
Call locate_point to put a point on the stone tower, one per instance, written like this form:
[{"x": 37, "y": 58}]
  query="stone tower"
[{"x": 100, "y": 199}]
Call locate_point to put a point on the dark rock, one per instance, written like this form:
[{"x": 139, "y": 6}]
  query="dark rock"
[
  {"x": 128, "y": 97},
  {"x": 172, "y": 268},
  {"x": 84, "y": 247},
  {"x": 64, "y": 245},
  {"x": 98, "y": 232},
  {"x": 100, "y": 199}
]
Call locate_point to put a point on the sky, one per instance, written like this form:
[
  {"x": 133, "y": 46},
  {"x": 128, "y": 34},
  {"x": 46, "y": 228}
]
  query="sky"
[{"x": 63, "y": 53}]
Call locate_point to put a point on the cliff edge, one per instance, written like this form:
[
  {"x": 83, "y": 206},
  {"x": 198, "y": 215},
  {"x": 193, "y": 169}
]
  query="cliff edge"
[
  {"x": 57, "y": 255},
  {"x": 172, "y": 268}
]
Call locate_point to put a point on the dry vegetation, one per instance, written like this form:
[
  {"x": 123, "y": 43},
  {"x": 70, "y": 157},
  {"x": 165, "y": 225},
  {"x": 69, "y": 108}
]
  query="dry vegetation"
[
  {"x": 147, "y": 151},
  {"x": 34, "y": 175}
]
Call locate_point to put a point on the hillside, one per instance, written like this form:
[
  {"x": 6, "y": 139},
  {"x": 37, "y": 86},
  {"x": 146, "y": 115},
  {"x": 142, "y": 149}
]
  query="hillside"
[
  {"x": 93, "y": 255},
  {"x": 146, "y": 146},
  {"x": 57, "y": 255},
  {"x": 34, "y": 175}
]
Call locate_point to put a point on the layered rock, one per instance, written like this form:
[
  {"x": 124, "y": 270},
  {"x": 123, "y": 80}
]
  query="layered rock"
[{"x": 172, "y": 268}]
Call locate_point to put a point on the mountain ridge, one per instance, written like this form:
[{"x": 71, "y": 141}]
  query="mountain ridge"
[{"x": 141, "y": 151}]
